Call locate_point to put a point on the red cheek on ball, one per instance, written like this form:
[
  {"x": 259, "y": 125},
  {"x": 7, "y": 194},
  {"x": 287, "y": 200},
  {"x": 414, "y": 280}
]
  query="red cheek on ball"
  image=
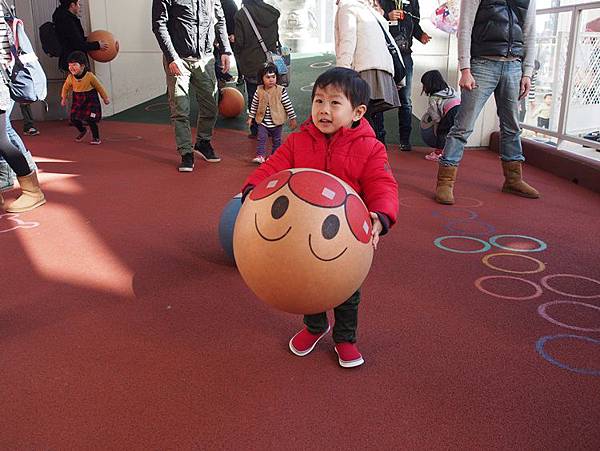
[
  {"x": 270, "y": 185},
  {"x": 358, "y": 219}
]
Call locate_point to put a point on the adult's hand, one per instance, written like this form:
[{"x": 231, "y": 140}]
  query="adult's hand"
[
  {"x": 396, "y": 14},
  {"x": 103, "y": 45},
  {"x": 425, "y": 38},
  {"x": 466, "y": 80},
  {"x": 175, "y": 68},
  {"x": 225, "y": 63},
  {"x": 525, "y": 87}
]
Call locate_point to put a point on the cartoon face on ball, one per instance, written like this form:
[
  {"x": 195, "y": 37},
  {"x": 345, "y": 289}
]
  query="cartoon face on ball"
[
  {"x": 316, "y": 205},
  {"x": 311, "y": 232}
]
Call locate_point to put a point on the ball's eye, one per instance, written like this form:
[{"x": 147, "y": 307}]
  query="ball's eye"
[
  {"x": 330, "y": 227},
  {"x": 279, "y": 207}
]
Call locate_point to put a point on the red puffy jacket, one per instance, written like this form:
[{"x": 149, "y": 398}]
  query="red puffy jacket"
[{"x": 352, "y": 154}]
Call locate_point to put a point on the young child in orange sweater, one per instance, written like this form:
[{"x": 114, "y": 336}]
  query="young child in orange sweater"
[{"x": 85, "y": 108}]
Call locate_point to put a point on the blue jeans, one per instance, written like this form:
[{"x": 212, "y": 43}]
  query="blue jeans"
[
  {"x": 503, "y": 79},
  {"x": 405, "y": 110},
  {"x": 6, "y": 173}
]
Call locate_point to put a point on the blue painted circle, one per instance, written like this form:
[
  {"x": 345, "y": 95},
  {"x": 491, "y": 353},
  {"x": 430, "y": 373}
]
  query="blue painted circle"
[
  {"x": 227, "y": 223},
  {"x": 539, "y": 346},
  {"x": 438, "y": 243},
  {"x": 541, "y": 245},
  {"x": 450, "y": 227}
]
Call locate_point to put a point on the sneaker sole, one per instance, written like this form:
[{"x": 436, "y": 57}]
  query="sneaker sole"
[
  {"x": 185, "y": 169},
  {"x": 309, "y": 350},
  {"x": 210, "y": 160},
  {"x": 351, "y": 363}
]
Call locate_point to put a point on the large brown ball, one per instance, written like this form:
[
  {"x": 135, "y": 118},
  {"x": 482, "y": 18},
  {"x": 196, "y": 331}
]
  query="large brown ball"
[
  {"x": 104, "y": 56},
  {"x": 302, "y": 241},
  {"x": 231, "y": 102}
]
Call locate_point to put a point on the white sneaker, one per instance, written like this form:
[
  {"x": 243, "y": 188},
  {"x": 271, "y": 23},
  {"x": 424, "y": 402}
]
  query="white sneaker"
[{"x": 259, "y": 159}]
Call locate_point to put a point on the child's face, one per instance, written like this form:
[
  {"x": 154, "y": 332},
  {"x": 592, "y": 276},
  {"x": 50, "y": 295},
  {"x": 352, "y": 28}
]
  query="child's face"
[
  {"x": 75, "y": 68},
  {"x": 269, "y": 80},
  {"x": 332, "y": 110},
  {"x": 548, "y": 100}
]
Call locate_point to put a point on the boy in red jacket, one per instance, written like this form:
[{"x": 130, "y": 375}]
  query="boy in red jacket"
[{"x": 338, "y": 140}]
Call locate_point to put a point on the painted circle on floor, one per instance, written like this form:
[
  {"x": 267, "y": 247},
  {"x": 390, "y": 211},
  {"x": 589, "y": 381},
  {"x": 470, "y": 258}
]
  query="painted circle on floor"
[
  {"x": 541, "y": 245},
  {"x": 307, "y": 88},
  {"x": 487, "y": 229},
  {"x": 542, "y": 312},
  {"x": 416, "y": 202},
  {"x": 467, "y": 202},
  {"x": 486, "y": 261},
  {"x": 536, "y": 294},
  {"x": 321, "y": 65},
  {"x": 438, "y": 242},
  {"x": 160, "y": 106},
  {"x": 123, "y": 137},
  {"x": 428, "y": 202},
  {"x": 455, "y": 214},
  {"x": 541, "y": 343},
  {"x": 546, "y": 285}
]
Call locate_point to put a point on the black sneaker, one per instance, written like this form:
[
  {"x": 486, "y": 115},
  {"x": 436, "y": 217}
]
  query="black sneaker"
[
  {"x": 187, "y": 162},
  {"x": 205, "y": 149},
  {"x": 405, "y": 147}
]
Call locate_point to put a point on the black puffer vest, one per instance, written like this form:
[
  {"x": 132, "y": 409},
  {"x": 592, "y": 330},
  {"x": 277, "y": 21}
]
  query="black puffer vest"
[{"x": 498, "y": 28}]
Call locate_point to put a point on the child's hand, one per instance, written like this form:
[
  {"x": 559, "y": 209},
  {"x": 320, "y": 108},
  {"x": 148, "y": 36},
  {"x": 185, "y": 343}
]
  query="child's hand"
[
  {"x": 249, "y": 122},
  {"x": 63, "y": 101},
  {"x": 293, "y": 124},
  {"x": 106, "y": 101},
  {"x": 377, "y": 228}
]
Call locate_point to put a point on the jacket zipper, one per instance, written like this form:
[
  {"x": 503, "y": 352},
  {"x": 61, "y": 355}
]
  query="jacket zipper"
[{"x": 510, "y": 29}]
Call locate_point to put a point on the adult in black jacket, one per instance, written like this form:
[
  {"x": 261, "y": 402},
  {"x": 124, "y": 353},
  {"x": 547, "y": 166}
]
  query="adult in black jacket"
[
  {"x": 70, "y": 32},
  {"x": 229, "y": 10},
  {"x": 404, "y": 26},
  {"x": 249, "y": 53},
  {"x": 186, "y": 32}
]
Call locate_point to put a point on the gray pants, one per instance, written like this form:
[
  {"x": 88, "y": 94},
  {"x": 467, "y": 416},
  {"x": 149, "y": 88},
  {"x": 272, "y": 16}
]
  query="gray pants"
[{"x": 201, "y": 75}]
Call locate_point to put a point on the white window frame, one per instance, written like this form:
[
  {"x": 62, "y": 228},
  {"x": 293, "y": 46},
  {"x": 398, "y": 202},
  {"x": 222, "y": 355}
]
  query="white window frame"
[{"x": 561, "y": 133}]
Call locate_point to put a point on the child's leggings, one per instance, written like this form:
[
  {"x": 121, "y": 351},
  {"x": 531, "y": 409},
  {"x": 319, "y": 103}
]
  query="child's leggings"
[
  {"x": 263, "y": 134},
  {"x": 93, "y": 127},
  {"x": 10, "y": 153}
]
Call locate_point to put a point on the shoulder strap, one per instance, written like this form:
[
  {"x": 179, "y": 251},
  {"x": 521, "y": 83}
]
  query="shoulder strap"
[
  {"x": 260, "y": 39},
  {"x": 385, "y": 34}
]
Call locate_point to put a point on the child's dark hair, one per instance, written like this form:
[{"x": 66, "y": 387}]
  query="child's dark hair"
[
  {"x": 433, "y": 82},
  {"x": 348, "y": 81},
  {"x": 78, "y": 57},
  {"x": 547, "y": 95},
  {"x": 267, "y": 68}
]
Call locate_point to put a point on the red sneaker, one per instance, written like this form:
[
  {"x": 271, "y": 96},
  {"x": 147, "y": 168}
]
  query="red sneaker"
[
  {"x": 348, "y": 355},
  {"x": 304, "y": 342}
]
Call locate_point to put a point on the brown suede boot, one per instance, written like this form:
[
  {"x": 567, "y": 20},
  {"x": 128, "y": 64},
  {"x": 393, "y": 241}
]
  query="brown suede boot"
[
  {"x": 445, "y": 184},
  {"x": 31, "y": 196},
  {"x": 513, "y": 181}
]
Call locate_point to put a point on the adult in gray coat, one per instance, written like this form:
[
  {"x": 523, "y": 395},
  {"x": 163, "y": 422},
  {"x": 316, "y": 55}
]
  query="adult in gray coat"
[{"x": 186, "y": 32}]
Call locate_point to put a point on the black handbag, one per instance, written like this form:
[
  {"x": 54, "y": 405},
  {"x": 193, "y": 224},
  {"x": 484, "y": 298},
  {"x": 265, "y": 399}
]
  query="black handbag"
[{"x": 399, "y": 69}]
